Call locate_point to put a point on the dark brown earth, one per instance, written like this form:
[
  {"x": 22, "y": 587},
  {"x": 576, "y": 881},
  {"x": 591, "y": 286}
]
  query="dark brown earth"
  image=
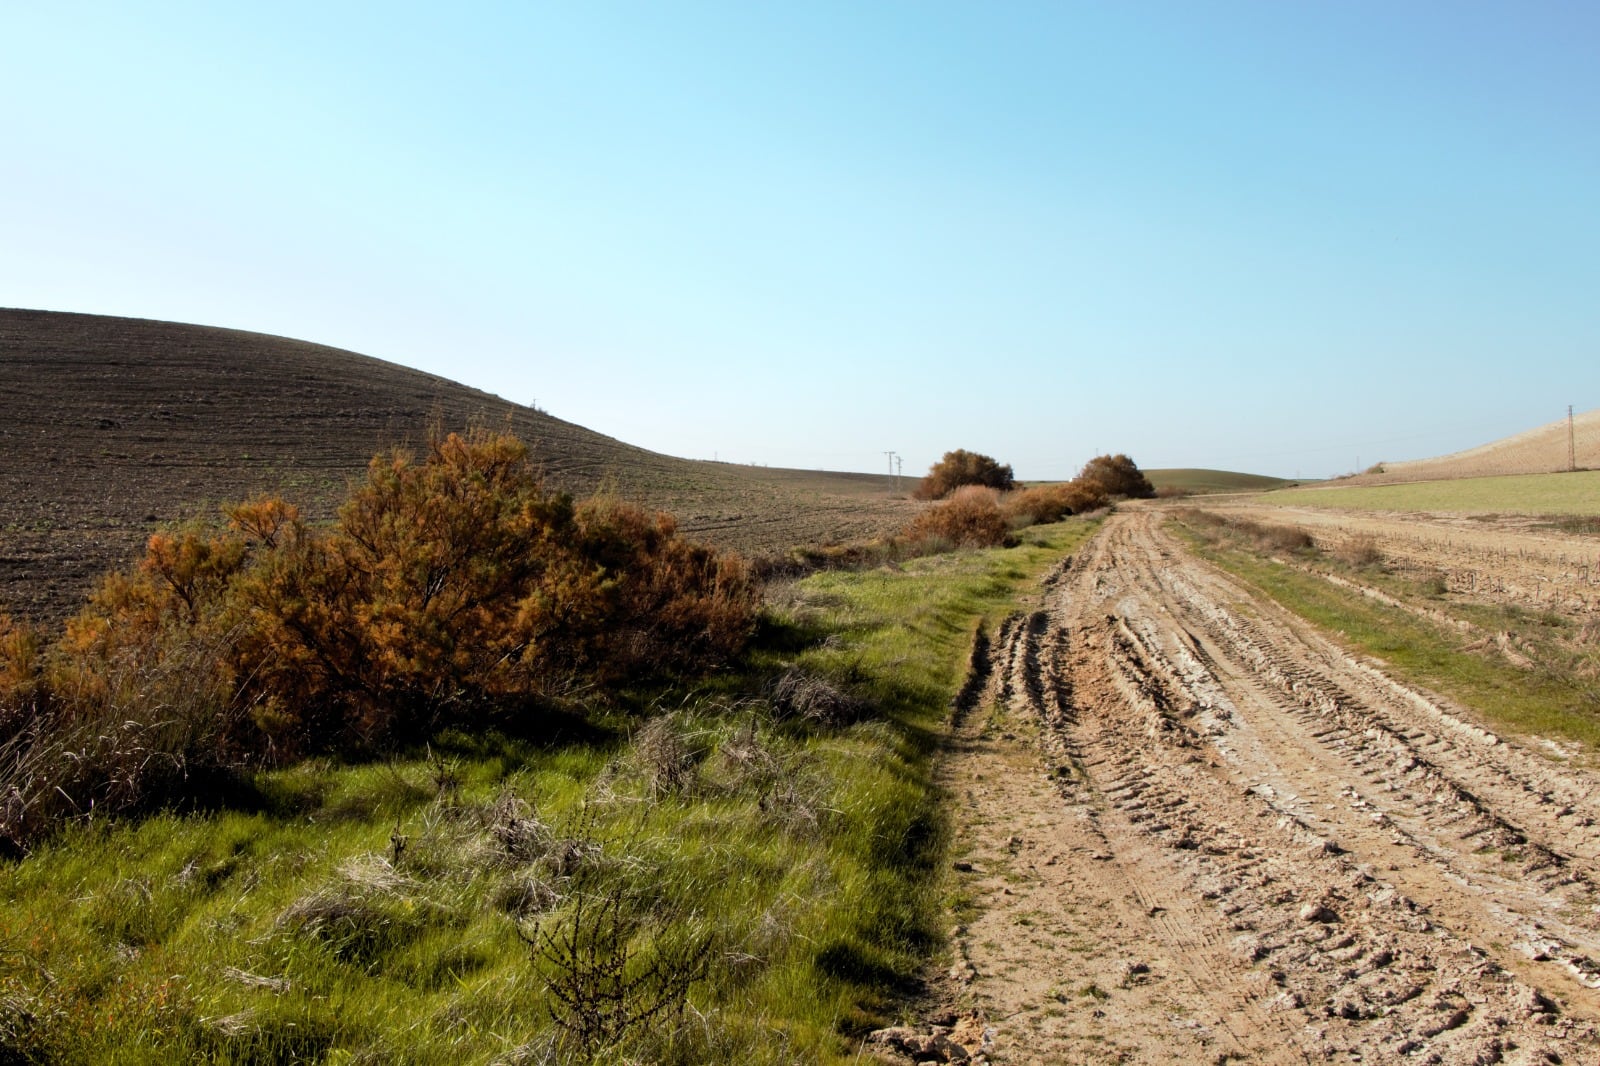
[{"x": 113, "y": 427}]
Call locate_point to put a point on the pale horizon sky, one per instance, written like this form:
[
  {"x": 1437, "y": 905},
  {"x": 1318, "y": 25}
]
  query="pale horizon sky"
[{"x": 1284, "y": 238}]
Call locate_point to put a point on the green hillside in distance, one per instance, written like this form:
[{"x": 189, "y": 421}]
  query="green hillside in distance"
[{"x": 1201, "y": 482}]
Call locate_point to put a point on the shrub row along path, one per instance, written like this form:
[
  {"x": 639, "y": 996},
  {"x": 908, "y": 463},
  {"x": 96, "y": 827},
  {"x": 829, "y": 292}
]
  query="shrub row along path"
[{"x": 1193, "y": 830}]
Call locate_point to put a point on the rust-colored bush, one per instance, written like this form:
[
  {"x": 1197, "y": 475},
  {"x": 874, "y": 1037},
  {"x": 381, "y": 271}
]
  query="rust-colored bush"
[
  {"x": 1118, "y": 476},
  {"x": 671, "y": 605},
  {"x": 962, "y": 467},
  {"x": 451, "y": 585},
  {"x": 1052, "y": 503},
  {"x": 19, "y": 663},
  {"x": 459, "y": 583},
  {"x": 970, "y": 518}
]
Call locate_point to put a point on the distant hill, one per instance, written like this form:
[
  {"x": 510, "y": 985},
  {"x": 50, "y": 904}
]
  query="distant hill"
[
  {"x": 1535, "y": 451},
  {"x": 112, "y": 427},
  {"x": 1211, "y": 481}
]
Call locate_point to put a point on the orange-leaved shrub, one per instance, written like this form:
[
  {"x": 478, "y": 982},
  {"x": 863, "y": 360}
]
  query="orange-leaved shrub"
[
  {"x": 671, "y": 604},
  {"x": 962, "y": 467},
  {"x": 459, "y": 583},
  {"x": 451, "y": 586},
  {"x": 970, "y": 518},
  {"x": 19, "y": 665},
  {"x": 1052, "y": 503}
]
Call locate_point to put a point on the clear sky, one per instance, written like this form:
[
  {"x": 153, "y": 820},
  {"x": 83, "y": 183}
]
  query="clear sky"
[{"x": 1286, "y": 237}]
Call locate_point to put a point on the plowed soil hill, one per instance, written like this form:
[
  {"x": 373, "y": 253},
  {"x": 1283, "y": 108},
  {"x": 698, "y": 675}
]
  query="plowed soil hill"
[{"x": 111, "y": 427}]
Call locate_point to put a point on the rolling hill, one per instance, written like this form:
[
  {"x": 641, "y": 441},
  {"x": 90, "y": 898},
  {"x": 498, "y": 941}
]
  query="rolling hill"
[
  {"x": 1199, "y": 481},
  {"x": 114, "y": 427},
  {"x": 1536, "y": 451}
]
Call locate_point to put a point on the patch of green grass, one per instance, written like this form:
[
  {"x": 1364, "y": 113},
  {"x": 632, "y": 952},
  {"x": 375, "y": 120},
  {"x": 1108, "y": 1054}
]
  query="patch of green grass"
[
  {"x": 1420, "y": 651},
  {"x": 1534, "y": 494},
  {"x": 371, "y": 912}
]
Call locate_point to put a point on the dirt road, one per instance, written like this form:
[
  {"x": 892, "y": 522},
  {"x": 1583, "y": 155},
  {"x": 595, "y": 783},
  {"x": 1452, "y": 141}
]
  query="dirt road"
[{"x": 1194, "y": 831}]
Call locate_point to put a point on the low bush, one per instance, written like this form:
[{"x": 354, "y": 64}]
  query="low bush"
[
  {"x": 1362, "y": 552},
  {"x": 1052, "y": 503},
  {"x": 1118, "y": 475},
  {"x": 451, "y": 588},
  {"x": 19, "y": 672},
  {"x": 971, "y": 518},
  {"x": 962, "y": 467}
]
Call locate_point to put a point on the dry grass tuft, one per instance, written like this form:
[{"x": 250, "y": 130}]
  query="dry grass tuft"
[
  {"x": 519, "y": 835},
  {"x": 1288, "y": 540},
  {"x": 798, "y": 694},
  {"x": 1362, "y": 552},
  {"x": 667, "y": 753}
]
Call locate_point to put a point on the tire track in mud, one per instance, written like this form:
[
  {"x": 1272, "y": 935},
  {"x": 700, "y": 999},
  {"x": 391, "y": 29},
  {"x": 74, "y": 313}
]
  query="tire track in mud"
[{"x": 1320, "y": 863}]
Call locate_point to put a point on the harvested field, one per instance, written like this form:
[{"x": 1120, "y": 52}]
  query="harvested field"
[
  {"x": 1576, "y": 493},
  {"x": 1536, "y": 451},
  {"x": 1517, "y": 560},
  {"x": 1193, "y": 829},
  {"x": 114, "y": 427}
]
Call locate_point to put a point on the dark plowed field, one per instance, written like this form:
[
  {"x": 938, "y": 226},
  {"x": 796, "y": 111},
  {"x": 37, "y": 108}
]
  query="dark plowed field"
[{"x": 112, "y": 427}]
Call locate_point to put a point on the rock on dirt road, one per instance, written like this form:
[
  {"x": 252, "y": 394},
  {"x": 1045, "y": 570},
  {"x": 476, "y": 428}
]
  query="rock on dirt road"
[{"x": 1193, "y": 831}]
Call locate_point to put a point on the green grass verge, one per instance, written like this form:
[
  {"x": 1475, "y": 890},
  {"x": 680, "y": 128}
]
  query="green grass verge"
[
  {"x": 1419, "y": 651},
  {"x": 1537, "y": 494},
  {"x": 371, "y": 913}
]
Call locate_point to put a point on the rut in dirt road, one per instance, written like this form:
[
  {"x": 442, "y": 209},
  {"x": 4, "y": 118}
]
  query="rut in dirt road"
[{"x": 1338, "y": 868}]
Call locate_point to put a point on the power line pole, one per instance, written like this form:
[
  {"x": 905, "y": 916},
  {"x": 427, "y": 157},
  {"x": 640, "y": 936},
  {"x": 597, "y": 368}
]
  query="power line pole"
[
  {"x": 890, "y": 456},
  {"x": 1572, "y": 451},
  {"x": 897, "y": 467}
]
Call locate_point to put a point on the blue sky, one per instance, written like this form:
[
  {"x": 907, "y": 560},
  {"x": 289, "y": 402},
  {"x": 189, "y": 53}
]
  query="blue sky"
[{"x": 1285, "y": 237}]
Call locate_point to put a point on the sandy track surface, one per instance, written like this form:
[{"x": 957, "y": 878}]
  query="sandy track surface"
[{"x": 1194, "y": 831}]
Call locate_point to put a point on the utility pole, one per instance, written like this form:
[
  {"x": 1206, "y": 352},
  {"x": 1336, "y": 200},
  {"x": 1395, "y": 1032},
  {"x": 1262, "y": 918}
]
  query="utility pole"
[
  {"x": 1572, "y": 449},
  {"x": 897, "y": 465},
  {"x": 890, "y": 456}
]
